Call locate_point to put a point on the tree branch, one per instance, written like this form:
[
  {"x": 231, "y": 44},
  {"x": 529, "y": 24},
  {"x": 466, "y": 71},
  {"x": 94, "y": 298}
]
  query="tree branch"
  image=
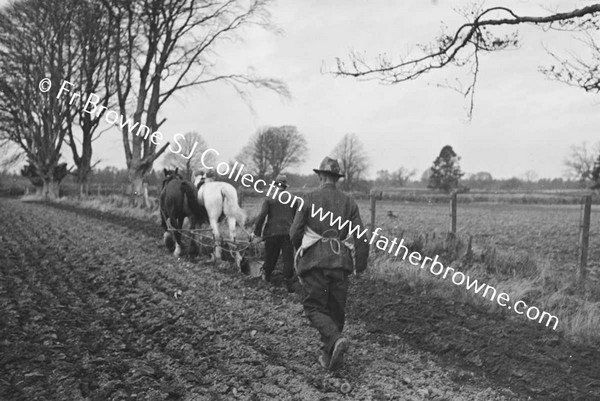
[{"x": 459, "y": 49}]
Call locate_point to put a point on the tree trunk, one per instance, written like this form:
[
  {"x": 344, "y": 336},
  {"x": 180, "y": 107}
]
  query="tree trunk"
[
  {"x": 50, "y": 189},
  {"x": 146, "y": 197},
  {"x": 137, "y": 188},
  {"x": 83, "y": 186}
]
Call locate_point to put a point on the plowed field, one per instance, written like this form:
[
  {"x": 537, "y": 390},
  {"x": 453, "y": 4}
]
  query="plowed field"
[{"x": 93, "y": 307}]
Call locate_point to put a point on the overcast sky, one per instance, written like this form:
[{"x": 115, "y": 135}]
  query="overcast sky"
[{"x": 522, "y": 121}]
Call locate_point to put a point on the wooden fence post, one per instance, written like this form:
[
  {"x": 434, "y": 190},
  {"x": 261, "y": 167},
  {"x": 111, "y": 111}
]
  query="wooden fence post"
[
  {"x": 584, "y": 238},
  {"x": 373, "y": 198},
  {"x": 241, "y": 197},
  {"x": 453, "y": 200},
  {"x": 98, "y": 188}
]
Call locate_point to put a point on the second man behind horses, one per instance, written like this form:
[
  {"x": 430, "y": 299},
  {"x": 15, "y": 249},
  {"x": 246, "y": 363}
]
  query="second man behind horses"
[{"x": 279, "y": 217}]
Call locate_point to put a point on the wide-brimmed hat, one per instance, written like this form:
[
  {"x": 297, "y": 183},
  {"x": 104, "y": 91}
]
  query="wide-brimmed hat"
[
  {"x": 329, "y": 166},
  {"x": 281, "y": 180}
]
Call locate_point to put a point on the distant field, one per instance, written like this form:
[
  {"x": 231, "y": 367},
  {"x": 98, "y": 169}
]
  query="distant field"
[
  {"x": 546, "y": 230},
  {"x": 549, "y": 231}
]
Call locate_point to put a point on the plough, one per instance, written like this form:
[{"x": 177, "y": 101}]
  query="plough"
[{"x": 251, "y": 253}]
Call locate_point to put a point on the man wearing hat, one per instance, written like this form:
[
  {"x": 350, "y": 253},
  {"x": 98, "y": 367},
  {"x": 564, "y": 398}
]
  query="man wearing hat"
[
  {"x": 326, "y": 256},
  {"x": 276, "y": 231}
]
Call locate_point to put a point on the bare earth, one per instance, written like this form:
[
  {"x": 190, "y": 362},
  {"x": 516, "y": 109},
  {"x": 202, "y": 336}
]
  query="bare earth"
[{"x": 93, "y": 307}]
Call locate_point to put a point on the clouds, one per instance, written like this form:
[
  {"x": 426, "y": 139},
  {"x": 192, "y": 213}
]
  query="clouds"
[{"x": 522, "y": 120}]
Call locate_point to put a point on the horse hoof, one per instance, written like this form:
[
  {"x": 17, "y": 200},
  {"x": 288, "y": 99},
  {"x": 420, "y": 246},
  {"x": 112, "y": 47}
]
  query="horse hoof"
[
  {"x": 169, "y": 242},
  {"x": 238, "y": 262},
  {"x": 244, "y": 266},
  {"x": 177, "y": 252}
]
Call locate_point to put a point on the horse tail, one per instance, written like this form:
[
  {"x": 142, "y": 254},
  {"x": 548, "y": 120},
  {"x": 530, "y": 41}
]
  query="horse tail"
[
  {"x": 198, "y": 210},
  {"x": 231, "y": 206}
]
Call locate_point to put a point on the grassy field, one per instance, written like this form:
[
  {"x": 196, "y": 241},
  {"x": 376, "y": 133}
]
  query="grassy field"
[{"x": 546, "y": 230}]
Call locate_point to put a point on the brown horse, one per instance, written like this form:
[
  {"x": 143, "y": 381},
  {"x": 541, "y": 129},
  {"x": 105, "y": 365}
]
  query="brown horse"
[{"x": 177, "y": 201}]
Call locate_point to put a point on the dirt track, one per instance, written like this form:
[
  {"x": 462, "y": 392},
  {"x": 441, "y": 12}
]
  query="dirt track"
[{"x": 89, "y": 312}]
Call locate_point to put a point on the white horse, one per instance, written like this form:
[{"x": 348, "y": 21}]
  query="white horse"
[{"x": 220, "y": 198}]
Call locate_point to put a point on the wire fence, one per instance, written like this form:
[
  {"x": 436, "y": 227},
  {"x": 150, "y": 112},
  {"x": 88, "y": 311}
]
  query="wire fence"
[{"x": 564, "y": 232}]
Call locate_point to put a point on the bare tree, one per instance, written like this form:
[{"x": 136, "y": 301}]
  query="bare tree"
[
  {"x": 36, "y": 41},
  {"x": 403, "y": 175},
  {"x": 595, "y": 176},
  {"x": 192, "y": 144},
  {"x": 10, "y": 154},
  {"x": 273, "y": 149},
  {"x": 576, "y": 70},
  {"x": 93, "y": 76},
  {"x": 398, "y": 178},
  {"x": 580, "y": 162},
  {"x": 80, "y": 59},
  {"x": 531, "y": 176},
  {"x": 463, "y": 47},
  {"x": 482, "y": 176},
  {"x": 168, "y": 45},
  {"x": 255, "y": 154},
  {"x": 352, "y": 158}
]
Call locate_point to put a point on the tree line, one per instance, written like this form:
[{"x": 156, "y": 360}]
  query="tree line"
[
  {"x": 272, "y": 151},
  {"x": 132, "y": 55},
  {"x": 445, "y": 173}
]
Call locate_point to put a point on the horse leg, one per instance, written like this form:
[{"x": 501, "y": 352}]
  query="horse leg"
[
  {"x": 232, "y": 231},
  {"x": 167, "y": 235},
  {"x": 163, "y": 224},
  {"x": 179, "y": 245},
  {"x": 177, "y": 225},
  {"x": 214, "y": 224}
]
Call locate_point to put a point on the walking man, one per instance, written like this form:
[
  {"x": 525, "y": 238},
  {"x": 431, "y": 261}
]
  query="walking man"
[
  {"x": 326, "y": 257},
  {"x": 276, "y": 233}
]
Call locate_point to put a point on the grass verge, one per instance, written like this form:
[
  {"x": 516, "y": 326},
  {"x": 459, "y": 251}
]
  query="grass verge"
[{"x": 522, "y": 276}]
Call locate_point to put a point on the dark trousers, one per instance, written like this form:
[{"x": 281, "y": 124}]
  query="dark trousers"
[
  {"x": 273, "y": 247},
  {"x": 325, "y": 303}
]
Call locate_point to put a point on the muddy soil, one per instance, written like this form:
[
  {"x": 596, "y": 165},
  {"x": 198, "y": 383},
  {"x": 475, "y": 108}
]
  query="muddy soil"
[{"x": 93, "y": 307}]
